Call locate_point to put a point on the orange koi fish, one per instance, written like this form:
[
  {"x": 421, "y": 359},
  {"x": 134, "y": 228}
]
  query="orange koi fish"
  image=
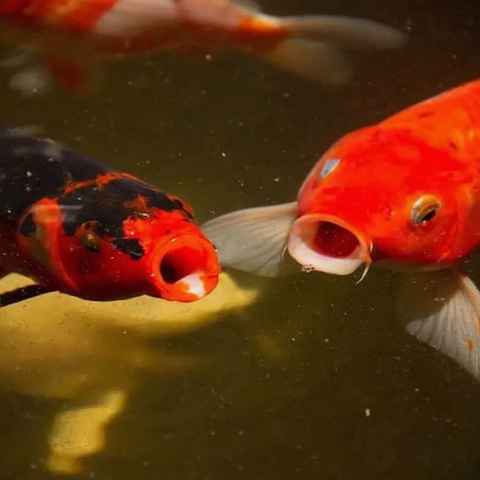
[
  {"x": 73, "y": 36},
  {"x": 76, "y": 226},
  {"x": 405, "y": 194}
]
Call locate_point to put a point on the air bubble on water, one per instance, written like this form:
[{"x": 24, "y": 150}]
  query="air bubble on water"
[{"x": 308, "y": 268}]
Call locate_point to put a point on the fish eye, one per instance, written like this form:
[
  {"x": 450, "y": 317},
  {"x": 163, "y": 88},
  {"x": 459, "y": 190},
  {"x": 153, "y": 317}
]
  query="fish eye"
[
  {"x": 425, "y": 209},
  {"x": 328, "y": 167},
  {"x": 90, "y": 241}
]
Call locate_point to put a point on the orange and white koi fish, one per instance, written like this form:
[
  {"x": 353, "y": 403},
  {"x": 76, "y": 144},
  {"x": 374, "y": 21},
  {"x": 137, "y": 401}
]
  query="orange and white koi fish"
[
  {"x": 405, "y": 194},
  {"x": 72, "y": 36}
]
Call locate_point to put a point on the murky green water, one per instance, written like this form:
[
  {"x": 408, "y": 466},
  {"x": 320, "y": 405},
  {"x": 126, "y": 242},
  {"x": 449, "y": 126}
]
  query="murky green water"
[{"x": 314, "y": 380}]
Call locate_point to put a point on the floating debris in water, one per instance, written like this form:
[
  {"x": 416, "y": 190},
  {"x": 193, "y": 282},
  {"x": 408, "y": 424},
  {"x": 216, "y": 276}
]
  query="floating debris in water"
[
  {"x": 308, "y": 268},
  {"x": 367, "y": 412}
]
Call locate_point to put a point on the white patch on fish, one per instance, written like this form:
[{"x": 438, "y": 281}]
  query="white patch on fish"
[{"x": 194, "y": 284}]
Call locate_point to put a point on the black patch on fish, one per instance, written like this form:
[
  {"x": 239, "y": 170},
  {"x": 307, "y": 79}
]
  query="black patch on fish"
[
  {"x": 109, "y": 207},
  {"x": 27, "y": 227},
  {"x": 425, "y": 114},
  {"x": 130, "y": 246},
  {"x": 45, "y": 166},
  {"x": 90, "y": 242},
  {"x": 94, "y": 226},
  {"x": 48, "y": 168},
  {"x": 92, "y": 247}
]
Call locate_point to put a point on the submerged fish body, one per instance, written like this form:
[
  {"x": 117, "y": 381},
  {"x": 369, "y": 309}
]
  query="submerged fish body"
[
  {"x": 72, "y": 36},
  {"x": 403, "y": 194},
  {"x": 79, "y": 227}
]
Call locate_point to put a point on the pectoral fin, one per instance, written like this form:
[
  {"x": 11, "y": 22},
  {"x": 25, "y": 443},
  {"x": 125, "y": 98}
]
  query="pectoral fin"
[
  {"x": 442, "y": 309},
  {"x": 38, "y": 237},
  {"x": 21, "y": 294},
  {"x": 253, "y": 240},
  {"x": 80, "y": 74}
]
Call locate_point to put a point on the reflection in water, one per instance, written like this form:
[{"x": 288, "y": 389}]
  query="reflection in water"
[{"x": 279, "y": 387}]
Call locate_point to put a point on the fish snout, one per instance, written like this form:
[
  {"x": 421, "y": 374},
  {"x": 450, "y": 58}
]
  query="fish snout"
[
  {"x": 328, "y": 244},
  {"x": 184, "y": 269}
]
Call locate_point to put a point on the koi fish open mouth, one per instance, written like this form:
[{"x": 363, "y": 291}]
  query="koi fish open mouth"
[
  {"x": 186, "y": 269},
  {"x": 328, "y": 244}
]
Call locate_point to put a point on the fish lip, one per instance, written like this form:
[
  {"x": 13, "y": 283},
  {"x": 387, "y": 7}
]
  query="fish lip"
[
  {"x": 184, "y": 269},
  {"x": 301, "y": 246}
]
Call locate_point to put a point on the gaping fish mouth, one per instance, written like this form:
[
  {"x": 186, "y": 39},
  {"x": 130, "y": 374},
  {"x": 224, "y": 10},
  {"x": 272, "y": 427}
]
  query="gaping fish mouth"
[
  {"x": 328, "y": 244},
  {"x": 185, "y": 269}
]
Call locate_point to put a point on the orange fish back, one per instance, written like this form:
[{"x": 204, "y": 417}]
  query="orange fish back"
[{"x": 449, "y": 120}]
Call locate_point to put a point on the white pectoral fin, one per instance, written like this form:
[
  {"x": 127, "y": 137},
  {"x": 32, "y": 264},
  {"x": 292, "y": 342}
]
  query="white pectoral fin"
[
  {"x": 442, "y": 309},
  {"x": 253, "y": 240}
]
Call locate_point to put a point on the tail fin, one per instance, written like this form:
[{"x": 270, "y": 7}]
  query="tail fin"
[
  {"x": 312, "y": 49},
  {"x": 345, "y": 32},
  {"x": 317, "y": 61}
]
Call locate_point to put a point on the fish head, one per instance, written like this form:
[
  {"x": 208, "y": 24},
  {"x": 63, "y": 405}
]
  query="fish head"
[
  {"x": 387, "y": 197},
  {"x": 150, "y": 251},
  {"x": 182, "y": 263}
]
